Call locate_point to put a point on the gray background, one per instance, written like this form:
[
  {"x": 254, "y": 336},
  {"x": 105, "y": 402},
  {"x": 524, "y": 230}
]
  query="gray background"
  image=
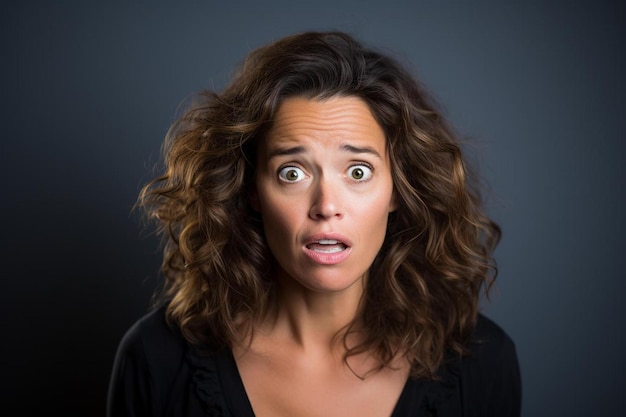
[{"x": 88, "y": 91}]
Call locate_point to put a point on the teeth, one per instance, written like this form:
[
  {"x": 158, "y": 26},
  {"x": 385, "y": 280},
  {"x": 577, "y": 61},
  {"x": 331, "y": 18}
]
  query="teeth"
[
  {"x": 329, "y": 250},
  {"x": 327, "y": 246}
]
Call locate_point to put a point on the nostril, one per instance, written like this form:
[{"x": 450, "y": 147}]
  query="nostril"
[
  {"x": 319, "y": 211},
  {"x": 326, "y": 201}
]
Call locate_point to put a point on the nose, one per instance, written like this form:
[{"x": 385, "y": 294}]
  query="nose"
[{"x": 326, "y": 201}]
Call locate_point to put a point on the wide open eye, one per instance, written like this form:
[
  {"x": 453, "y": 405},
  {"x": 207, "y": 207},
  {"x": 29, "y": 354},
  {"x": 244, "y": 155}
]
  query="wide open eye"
[
  {"x": 360, "y": 172},
  {"x": 291, "y": 174}
]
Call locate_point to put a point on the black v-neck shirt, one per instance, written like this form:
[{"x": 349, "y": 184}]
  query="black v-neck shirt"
[{"x": 156, "y": 373}]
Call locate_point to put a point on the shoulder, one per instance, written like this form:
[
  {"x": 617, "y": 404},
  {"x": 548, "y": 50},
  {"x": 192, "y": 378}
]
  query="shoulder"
[
  {"x": 489, "y": 340},
  {"x": 483, "y": 383},
  {"x": 490, "y": 374},
  {"x": 149, "y": 362},
  {"x": 150, "y": 353},
  {"x": 491, "y": 350},
  {"x": 153, "y": 338}
]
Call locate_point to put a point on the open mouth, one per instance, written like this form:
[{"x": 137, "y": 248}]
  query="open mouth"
[{"x": 327, "y": 246}]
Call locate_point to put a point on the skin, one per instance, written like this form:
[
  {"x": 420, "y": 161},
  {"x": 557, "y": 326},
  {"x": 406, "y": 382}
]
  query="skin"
[
  {"x": 324, "y": 190},
  {"x": 323, "y": 172}
]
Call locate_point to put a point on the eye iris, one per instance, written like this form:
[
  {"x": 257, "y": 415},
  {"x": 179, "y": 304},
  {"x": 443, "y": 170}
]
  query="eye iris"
[
  {"x": 357, "y": 173},
  {"x": 292, "y": 175}
]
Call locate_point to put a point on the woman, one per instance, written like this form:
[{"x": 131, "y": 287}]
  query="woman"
[{"x": 325, "y": 251}]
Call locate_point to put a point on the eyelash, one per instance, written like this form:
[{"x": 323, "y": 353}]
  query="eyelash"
[
  {"x": 290, "y": 167},
  {"x": 283, "y": 170},
  {"x": 362, "y": 164}
]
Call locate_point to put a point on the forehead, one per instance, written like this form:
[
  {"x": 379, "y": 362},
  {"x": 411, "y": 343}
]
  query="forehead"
[{"x": 337, "y": 119}]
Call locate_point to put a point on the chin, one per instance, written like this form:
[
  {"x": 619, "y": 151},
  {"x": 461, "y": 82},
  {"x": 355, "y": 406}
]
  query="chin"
[{"x": 331, "y": 283}]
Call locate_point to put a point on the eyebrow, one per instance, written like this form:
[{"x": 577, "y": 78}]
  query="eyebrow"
[
  {"x": 286, "y": 151},
  {"x": 361, "y": 149},
  {"x": 301, "y": 149}
]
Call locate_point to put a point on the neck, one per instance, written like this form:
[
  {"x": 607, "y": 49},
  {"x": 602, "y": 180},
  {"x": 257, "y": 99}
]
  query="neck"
[{"x": 314, "y": 320}]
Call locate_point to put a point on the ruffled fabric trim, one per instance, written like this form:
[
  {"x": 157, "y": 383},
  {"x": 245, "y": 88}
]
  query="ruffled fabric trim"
[{"x": 206, "y": 383}]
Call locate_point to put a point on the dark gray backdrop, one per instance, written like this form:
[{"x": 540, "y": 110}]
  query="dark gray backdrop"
[{"x": 88, "y": 91}]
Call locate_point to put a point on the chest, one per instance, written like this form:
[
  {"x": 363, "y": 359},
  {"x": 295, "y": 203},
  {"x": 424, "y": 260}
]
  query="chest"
[{"x": 309, "y": 389}]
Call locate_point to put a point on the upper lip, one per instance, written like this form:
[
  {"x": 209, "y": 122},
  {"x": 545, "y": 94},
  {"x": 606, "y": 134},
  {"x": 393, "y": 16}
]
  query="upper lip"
[{"x": 328, "y": 236}]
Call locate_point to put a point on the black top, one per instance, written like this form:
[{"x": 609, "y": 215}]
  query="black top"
[{"x": 156, "y": 373}]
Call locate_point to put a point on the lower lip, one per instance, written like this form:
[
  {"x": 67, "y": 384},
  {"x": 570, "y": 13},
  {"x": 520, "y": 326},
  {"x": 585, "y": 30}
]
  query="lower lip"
[{"x": 327, "y": 258}]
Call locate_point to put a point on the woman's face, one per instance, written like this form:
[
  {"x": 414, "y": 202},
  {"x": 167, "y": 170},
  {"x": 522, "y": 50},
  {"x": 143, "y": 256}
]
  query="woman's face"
[{"x": 324, "y": 190}]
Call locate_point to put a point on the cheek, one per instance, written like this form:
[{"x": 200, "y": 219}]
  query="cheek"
[
  {"x": 376, "y": 216},
  {"x": 378, "y": 207},
  {"x": 279, "y": 222},
  {"x": 379, "y": 221}
]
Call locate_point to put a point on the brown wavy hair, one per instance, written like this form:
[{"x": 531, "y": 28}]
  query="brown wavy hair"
[{"x": 422, "y": 295}]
